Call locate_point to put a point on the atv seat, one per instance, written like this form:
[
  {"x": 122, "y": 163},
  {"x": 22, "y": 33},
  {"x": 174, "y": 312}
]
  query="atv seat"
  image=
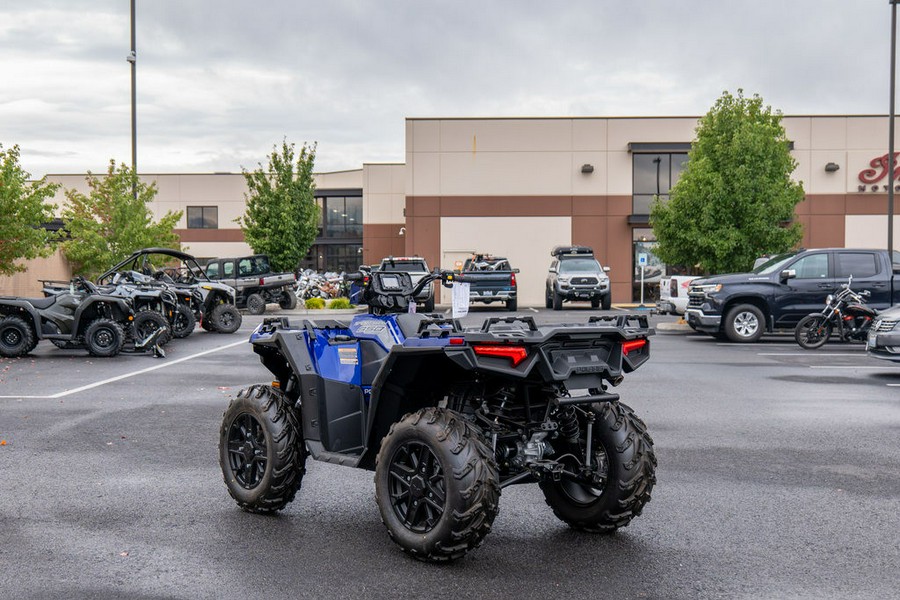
[
  {"x": 409, "y": 324},
  {"x": 42, "y": 303}
]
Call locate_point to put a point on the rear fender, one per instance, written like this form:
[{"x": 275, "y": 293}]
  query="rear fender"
[
  {"x": 23, "y": 309},
  {"x": 409, "y": 379}
]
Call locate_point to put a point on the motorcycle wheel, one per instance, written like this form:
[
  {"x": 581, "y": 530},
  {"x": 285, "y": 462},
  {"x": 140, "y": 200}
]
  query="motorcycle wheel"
[
  {"x": 436, "y": 484},
  {"x": 225, "y": 318},
  {"x": 104, "y": 338},
  {"x": 624, "y": 461},
  {"x": 812, "y": 332},
  {"x": 16, "y": 337},
  {"x": 256, "y": 304},
  {"x": 261, "y": 450},
  {"x": 184, "y": 322}
]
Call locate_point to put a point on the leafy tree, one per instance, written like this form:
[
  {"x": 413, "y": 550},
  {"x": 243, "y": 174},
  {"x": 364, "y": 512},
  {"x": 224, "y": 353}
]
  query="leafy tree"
[
  {"x": 735, "y": 201},
  {"x": 111, "y": 221},
  {"x": 23, "y": 211},
  {"x": 281, "y": 219}
]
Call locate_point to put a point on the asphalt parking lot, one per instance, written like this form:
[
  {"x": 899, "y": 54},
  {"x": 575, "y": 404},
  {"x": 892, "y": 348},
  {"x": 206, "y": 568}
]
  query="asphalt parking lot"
[{"x": 778, "y": 477}]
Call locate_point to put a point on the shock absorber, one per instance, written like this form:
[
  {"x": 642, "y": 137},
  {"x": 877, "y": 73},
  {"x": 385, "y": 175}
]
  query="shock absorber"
[{"x": 568, "y": 423}]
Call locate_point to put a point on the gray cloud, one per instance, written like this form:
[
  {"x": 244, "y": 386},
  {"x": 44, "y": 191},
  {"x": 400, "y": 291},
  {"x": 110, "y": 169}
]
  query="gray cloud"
[{"x": 220, "y": 82}]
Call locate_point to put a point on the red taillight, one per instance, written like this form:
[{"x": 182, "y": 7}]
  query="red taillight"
[
  {"x": 633, "y": 345},
  {"x": 512, "y": 279},
  {"x": 457, "y": 341},
  {"x": 262, "y": 281},
  {"x": 514, "y": 353}
]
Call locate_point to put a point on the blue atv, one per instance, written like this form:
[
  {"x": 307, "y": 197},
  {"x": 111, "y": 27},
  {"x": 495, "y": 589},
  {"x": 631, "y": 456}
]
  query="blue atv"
[{"x": 445, "y": 416}]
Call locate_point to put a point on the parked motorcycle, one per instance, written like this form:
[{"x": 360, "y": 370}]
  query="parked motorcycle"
[{"x": 845, "y": 312}]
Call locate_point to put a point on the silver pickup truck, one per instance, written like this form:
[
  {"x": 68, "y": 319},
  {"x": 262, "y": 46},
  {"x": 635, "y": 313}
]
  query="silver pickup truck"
[{"x": 255, "y": 283}]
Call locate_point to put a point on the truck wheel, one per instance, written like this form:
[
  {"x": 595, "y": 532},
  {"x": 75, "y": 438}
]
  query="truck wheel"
[
  {"x": 148, "y": 322},
  {"x": 288, "y": 300},
  {"x": 436, "y": 484},
  {"x": 184, "y": 322},
  {"x": 606, "y": 302},
  {"x": 745, "y": 323},
  {"x": 557, "y": 301},
  {"x": 256, "y": 304},
  {"x": 16, "y": 337},
  {"x": 548, "y": 299},
  {"x": 623, "y": 473},
  {"x": 225, "y": 318},
  {"x": 104, "y": 337},
  {"x": 812, "y": 332},
  {"x": 595, "y": 302},
  {"x": 261, "y": 450},
  {"x": 512, "y": 304}
]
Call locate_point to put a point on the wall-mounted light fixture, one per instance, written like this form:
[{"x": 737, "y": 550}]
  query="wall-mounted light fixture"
[
  {"x": 586, "y": 168},
  {"x": 402, "y": 231},
  {"x": 831, "y": 167}
]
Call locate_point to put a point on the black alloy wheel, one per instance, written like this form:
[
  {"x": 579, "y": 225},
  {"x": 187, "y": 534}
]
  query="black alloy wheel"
[
  {"x": 417, "y": 488},
  {"x": 261, "y": 449},
  {"x": 104, "y": 337},
  {"x": 247, "y": 453}
]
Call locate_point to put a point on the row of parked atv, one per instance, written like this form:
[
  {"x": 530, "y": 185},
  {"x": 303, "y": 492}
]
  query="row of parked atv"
[{"x": 151, "y": 297}]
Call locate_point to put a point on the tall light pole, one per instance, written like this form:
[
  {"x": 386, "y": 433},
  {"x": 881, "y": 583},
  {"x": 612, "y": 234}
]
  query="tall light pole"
[
  {"x": 132, "y": 58},
  {"x": 891, "y": 164}
]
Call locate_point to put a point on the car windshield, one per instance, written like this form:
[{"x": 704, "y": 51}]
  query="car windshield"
[
  {"x": 404, "y": 266},
  {"x": 579, "y": 265},
  {"x": 774, "y": 264}
]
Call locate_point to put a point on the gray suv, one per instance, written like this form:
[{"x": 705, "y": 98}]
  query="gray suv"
[{"x": 576, "y": 275}]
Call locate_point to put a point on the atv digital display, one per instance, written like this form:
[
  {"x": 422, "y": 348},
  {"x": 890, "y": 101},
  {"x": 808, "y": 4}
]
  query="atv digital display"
[{"x": 391, "y": 283}]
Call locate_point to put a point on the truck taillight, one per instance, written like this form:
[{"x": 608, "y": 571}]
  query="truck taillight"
[
  {"x": 516, "y": 354},
  {"x": 512, "y": 279},
  {"x": 633, "y": 345}
]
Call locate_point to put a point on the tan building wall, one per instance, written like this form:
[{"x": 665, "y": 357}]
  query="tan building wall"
[
  {"x": 531, "y": 168},
  {"x": 384, "y": 205},
  {"x": 28, "y": 283}
]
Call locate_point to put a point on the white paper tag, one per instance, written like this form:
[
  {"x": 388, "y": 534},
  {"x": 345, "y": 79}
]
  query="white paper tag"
[{"x": 460, "y": 299}]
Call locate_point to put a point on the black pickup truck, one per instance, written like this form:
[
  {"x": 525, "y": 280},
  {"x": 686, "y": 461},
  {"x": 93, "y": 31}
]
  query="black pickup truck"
[
  {"x": 490, "y": 279},
  {"x": 778, "y": 293}
]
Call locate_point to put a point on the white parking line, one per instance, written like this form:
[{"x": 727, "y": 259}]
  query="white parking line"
[
  {"x": 533, "y": 309},
  {"x": 168, "y": 363},
  {"x": 829, "y": 354},
  {"x": 845, "y": 367}
]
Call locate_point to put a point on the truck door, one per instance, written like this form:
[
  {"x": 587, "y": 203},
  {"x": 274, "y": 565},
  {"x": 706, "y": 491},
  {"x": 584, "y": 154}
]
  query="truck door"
[
  {"x": 805, "y": 293},
  {"x": 868, "y": 274}
]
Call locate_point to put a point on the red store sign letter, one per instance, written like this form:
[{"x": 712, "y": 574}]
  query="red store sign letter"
[{"x": 879, "y": 170}]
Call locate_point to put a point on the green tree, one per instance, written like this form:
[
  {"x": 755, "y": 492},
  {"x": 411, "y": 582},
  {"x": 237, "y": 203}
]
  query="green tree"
[
  {"x": 111, "y": 222},
  {"x": 735, "y": 201},
  {"x": 281, "y": 219},
  {"x": 23, "y": 211}
]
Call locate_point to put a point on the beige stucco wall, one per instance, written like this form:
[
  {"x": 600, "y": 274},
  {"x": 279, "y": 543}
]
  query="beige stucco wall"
[
  {"x": 28, "y": 283},
  {"x": 525, "y": 241},
  {"x": 869, "y": 231},
  {"x": 384, "y": 193}
]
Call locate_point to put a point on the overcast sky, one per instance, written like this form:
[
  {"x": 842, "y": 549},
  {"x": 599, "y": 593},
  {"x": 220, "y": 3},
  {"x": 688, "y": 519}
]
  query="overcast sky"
[{"x": 220, "y": 81}]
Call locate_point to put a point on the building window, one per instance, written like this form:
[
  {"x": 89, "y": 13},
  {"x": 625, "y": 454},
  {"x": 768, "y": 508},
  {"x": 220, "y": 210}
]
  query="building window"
[
  {"x": 342, "y": 217},
  {"x": 654, "y": 175},
  {"x": 203, "y": 217}
]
